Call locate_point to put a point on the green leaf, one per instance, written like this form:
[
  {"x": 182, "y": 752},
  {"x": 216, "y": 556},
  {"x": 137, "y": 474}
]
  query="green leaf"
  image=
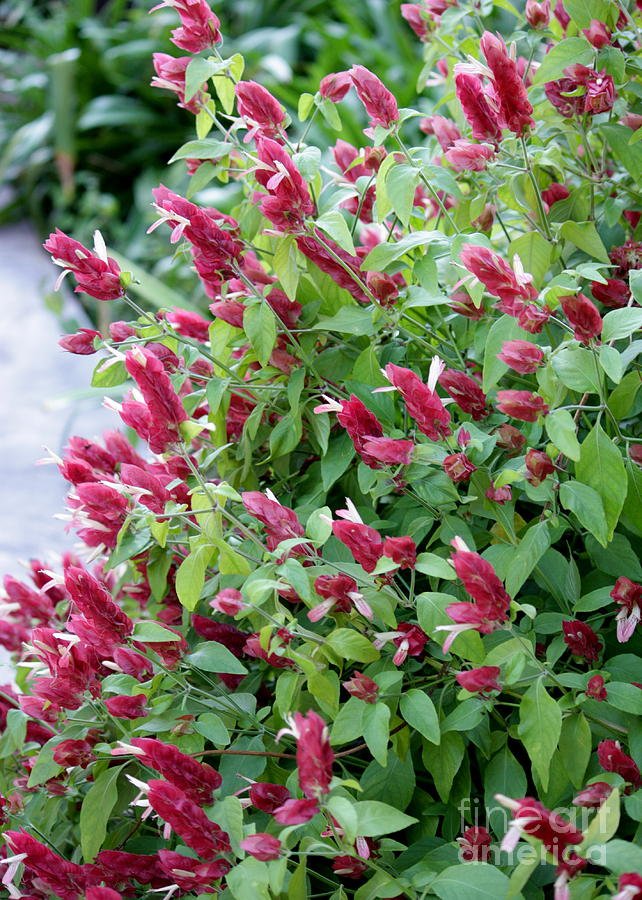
[
  {"x": 153, "y": 632},
  {"x": 577, "y": 368},
  {"x": 587, "y": 505},
  {"x": 464, "y": 717},
  {"x": 335, "y": 462},
  {"x": 621, "y": 323},
  {"x": 210, "y": 656},
  {"x": 560, "y": 428},
  {"x": 13, "y": 736},
  {"x": 298, "y": 884},
  {"x": 540, "y": 726},
  {"x": 620, "y": 856},
  {"x": 286, "y": 435},
  {"x": 419, "y": 712},
  {"x": 583, "y": 11},
  {"x": 601, "y": 467},
  {"x": 208, "y": 149},
  {"x": 109, "y": 373},
  {"x": 401, "y": 184},
  {"x": 284, "y": 263},
  {"x": 336, "y": 227},
  {"x": 594, "y": 600},
  {"x": 619, "y": 558},
  {"x": 349, "y": 320},
  {"x": 632, "y": 509},
  {"x": 375, "y": 818},
  {"x": 190, "y": 577},
  {"x": 472, "y": 881},
  {"x": 259, "y": 323},
  {"x": 213, "y": 728},
  {"x": 249, "y": 880},
  {"x": 351, "y": 645},
  {"x": 443, "y": 762},
  {"x": 317, "y": 527},
  {"x": 343, "y": 810},
  {"x": 95, "y": 811},
  {"x": 329, "y": 112},
  {"x": 612, "y": 363},
  {"x": 348, "y": 724},
  {"x": 635, "y": 276},
  {"x": 618, "y": 137},
  {"x": 621, "y": 400},
  {"x": 386, "y": 253},
  {"x": 585, "y": 236},
  {"x": 503, "y": 775},
  {"x": 197, "y": 73},
  {"x": 575, "y": 748},
  {"x": 603, "y": 825},
  {"x": 436, "y": 566},
  {"x": 626, "y": 697},
  {"x": 376, "y": 730},
  {"x": 526, "y": 555},
  {"x": 564, "y": 54},
  {"x": 306, "y": 102},
  {"x": 503, "y": 329},
  {"x": 535, "y": 253}
]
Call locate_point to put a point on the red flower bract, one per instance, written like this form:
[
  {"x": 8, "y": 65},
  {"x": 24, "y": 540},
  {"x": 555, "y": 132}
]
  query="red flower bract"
[
  {"x": 96, "y": 273},
  {"x": 482, "y": 117},
  {"x": 475, "y": 844},
  {"x": 521, "y": 356},
  {"x": 262, "y": 112},
  {"x": 521, "y": 405},
  {"x": 288, "y": 202},
  {"x": 187, "y": 819},
  {"x": 531, "y": 817},
  {"x": 458, "y": 467},
  {"x": 613, "y": 759},
  {"x": 199, "y": 28},
  {"x": 466, "y": 393},
  {"x": 262, "y": 846},
  {"x": 422, "y": 402},
  {"x": 124, "y": 707},
  {"x": 509, "y": 87},
  {"x": 491, "y": 602},
  {"x": 64, "y": 879},
  {"x": 335, "y": 86},
  {"x": 165, "y": 408},
  {"x": 379, "y": 103},
  {"x": 314, "y": 755},
  {"x": 362, "y": 687},
  {"x": 481, "y": 680},
  {"x": 197, "y": 780},
  {"x": 581, "y": 640},
  {"x": 584, "y": 317}
]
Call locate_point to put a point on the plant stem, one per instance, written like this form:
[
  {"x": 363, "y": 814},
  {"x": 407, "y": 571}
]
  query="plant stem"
[{"x": 538, "y": 196}]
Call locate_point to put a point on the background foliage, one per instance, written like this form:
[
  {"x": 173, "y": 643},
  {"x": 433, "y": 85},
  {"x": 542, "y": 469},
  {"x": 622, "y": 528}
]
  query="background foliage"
[{"x": 370, "y": 542}]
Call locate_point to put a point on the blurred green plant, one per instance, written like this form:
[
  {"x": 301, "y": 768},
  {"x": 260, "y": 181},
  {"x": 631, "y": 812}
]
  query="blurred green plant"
[{"x": 83, "y": 137}]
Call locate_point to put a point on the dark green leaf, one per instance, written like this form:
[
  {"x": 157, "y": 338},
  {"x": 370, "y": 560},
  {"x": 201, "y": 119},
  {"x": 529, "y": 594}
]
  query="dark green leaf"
[
  {"x": 95, "y": 811},
  {"x": 601, "y": 467},
  {"x": 210, "y": 656}
]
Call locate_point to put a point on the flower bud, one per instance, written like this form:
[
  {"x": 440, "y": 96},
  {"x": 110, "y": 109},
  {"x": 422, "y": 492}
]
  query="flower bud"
[
  {"x": 362, "y": 687},
  {"x": 521, "y": 356},
  {"x": 538, "y": 15}
]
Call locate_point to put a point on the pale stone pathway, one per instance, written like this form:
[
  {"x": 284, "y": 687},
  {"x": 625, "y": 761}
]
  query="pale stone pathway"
[{"x": 37, "y": 384}]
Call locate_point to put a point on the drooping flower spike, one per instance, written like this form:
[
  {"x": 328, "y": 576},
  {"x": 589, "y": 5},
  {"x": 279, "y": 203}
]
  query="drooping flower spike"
[
  {"x": 490, "y": 606},
  {"x": 422, "y": 402},
  {"x": 96, "y": 273}
]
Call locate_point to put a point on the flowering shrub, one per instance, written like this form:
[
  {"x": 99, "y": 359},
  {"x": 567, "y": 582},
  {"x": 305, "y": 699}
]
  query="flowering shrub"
[{"x": 351, "y": 614}]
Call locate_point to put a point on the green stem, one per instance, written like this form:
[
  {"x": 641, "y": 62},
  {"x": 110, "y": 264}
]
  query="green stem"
[{"x": 538, "y": 196}]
